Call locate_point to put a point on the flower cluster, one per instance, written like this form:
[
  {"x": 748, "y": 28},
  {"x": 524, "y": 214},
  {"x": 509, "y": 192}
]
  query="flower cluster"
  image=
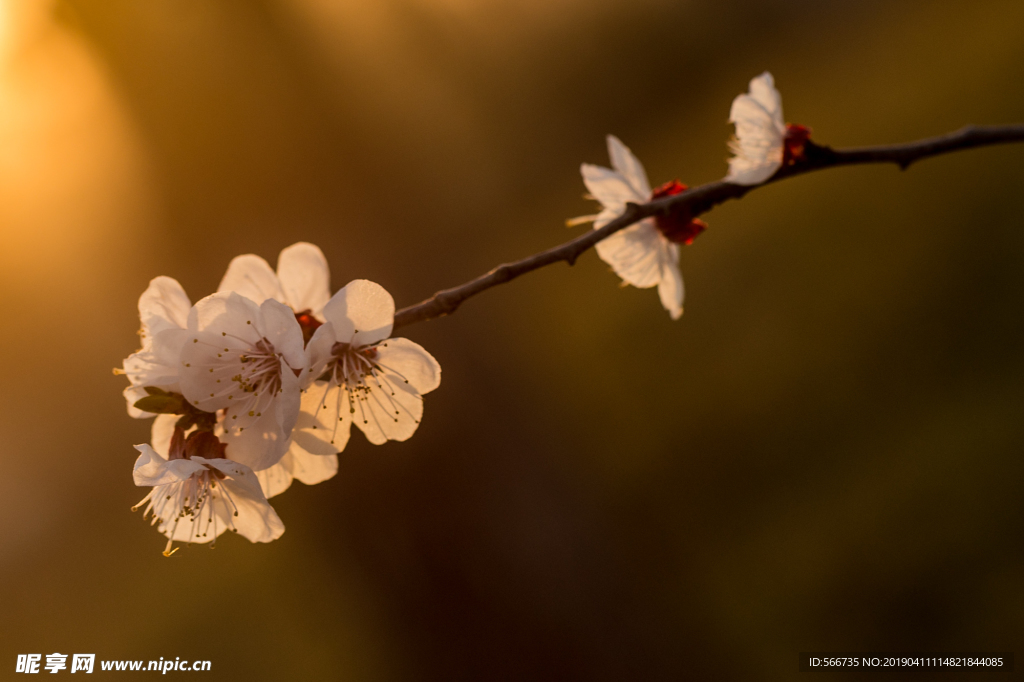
[
  {"x": 646, "y": 254},
  {"x": 259, "y": 384}
]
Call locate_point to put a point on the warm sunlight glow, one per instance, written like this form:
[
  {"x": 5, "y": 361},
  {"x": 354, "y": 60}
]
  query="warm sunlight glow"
[{"x": 68, "y": 159}]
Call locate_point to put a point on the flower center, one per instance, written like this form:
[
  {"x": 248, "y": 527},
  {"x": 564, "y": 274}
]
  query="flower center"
[
  {"x": 350, "y": 366},
  {"x": 191, "y": 502},
  {"x": 794, "y": 144},
  {"x": 261, "y": 369},
  {"x": 308, "y": 323},
  {"x": 678, "y": 226}
]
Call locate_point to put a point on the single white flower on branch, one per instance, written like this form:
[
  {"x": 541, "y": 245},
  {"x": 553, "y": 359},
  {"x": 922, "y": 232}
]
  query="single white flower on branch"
[
  {"x": 197, "y": 493},
  {"x": 764, "y": 142},
  {"x": 358, "y": 375},
  {"x": 645, "y": 254},
  {"x": 245, "y": 359}
]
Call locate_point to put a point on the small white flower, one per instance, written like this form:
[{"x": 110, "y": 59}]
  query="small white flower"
[
  {"x": 645, "y": 254},
  {"x": 163, "y": 311},
  {"x": 368, "y": 379},
  {"x": 243, "y": 359},
  {"x": 196, "y": 498},
  {"x": 763, "y": 142},
  {"x": 302, "y": 282}
]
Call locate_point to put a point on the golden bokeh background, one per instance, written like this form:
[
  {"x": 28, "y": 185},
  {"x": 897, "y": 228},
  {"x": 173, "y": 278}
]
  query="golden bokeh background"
[{"x": 825, "y": 453}]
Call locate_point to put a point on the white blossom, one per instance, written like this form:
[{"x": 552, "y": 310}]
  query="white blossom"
[
  {"x": 645, "y": 254},
  {"x": 244, "y": 359},
  {"x": 764, "y": 142},
  {"x": 302, "y": 282},
  {"x": 358, "y": 375},
  {"x": 194, "y": 498}
]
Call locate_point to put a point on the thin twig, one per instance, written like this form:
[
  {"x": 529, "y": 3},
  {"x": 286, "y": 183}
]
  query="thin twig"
[{"x": 702, "y": 199}]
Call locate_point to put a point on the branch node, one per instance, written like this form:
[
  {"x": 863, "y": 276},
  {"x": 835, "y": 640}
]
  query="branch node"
[
  {"x": 447, "y": 303},
  {"x": 503, "y": 272}
]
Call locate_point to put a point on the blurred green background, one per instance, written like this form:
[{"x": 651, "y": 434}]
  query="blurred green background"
[{"x": 823, "y": 454}]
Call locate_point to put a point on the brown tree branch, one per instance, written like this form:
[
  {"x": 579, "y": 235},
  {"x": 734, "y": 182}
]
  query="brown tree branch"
[{"x": 702, "y": 199}]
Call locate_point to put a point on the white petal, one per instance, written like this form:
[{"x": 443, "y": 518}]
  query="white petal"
[
  {"x": 390, "y": 410},
  {"x": 325, "y": 422},
  {"x": 163, "y": 305},
  {"x": 312, "y": 469},
  {"x": 310, "y": 457},
  {"x": 362, "y": 313},
  {"x": 750, "y": 170},
  {"x": 410, "y": 362},
  {"x": 228, "y": 314},
  {"x": 256, "y": 520},
  {"x": 251, "y": 276},
  {"x": 152, "y": 470},
  {"x": 760, "y": 131},
  {"x": 635, "y": 254},
  {"x": 277, "y": 478},
  {"x": 305, "y": 278},
  {"x": 278, "y": 325},
  {"x": 610, "y": 188},
  {"x": 156, "y": 366},
  {"x": 301, "y": 464},
  {"x": 629, "y": 166},
  {"x": 670, "y": 288},
  {"x": 160, "y": 436},
  {"x": 762, "y": 91},
  {"x": 318, "y": 353},
  {"x": 289, "y": 400},
  {"x": 209, "y": 363},
  {"x": 259, "y": 445}
]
